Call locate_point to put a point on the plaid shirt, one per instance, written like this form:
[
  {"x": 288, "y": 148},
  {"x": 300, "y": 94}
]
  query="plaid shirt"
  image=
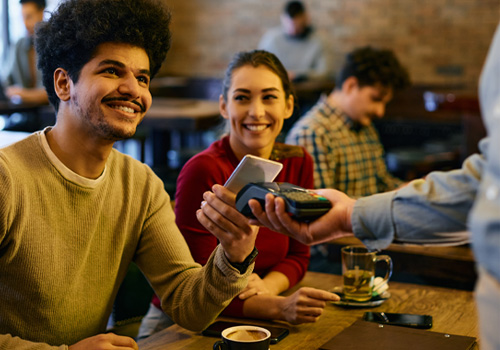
[{"x": 347, "y": 156}]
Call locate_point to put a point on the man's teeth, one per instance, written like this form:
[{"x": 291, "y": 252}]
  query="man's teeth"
[
  {"x": 256, "y": 127},
  {"x": 125, "y": 109}
]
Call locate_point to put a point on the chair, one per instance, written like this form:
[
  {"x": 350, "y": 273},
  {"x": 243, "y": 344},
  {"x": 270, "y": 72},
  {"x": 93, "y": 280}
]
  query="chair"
[{"x": 131, "y": 303}]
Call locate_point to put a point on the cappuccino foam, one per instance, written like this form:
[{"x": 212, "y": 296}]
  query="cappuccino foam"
[{"x": 246, "y": 335}]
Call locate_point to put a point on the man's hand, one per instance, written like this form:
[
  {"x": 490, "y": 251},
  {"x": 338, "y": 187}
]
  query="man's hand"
[
  {"x": 233, "y": 230},
  {"x": 305, "y": 305},
  {"x": 336, "y": 223},
  {"x": 108, "y": 341}
]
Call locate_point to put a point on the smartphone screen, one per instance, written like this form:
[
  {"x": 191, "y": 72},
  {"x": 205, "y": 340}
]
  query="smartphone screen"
[
  {"x": 405, "y": 320},
  {"x": 252, "y": 169},
  {"x": 216, "y": 328}
]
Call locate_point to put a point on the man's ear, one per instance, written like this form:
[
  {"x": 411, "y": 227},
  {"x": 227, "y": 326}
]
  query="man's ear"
[
  {"x": 62, "y": 84},
  {"x": 350, "y": 84},
  {"x": 223, "y": 107}
]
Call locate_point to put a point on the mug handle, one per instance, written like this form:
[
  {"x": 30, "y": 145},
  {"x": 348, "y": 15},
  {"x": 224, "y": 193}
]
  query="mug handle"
[
  {"x": 387, "y": 259},
  {"x": 220, "y": 345}
]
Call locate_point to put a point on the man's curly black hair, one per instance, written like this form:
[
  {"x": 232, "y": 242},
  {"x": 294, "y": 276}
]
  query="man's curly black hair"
[
  {"x": 373, "y": 66},
  {"x": 70, "y": 37}
]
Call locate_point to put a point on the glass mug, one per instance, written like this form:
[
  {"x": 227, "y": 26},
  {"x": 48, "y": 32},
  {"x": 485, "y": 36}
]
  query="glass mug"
[
  {"x": 244, "y": 338},
  {"x": 358, "y": 271}
]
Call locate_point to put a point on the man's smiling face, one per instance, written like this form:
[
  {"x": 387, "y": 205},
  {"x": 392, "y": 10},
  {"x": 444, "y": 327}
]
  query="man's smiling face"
[{"x": 112, "y": 94}]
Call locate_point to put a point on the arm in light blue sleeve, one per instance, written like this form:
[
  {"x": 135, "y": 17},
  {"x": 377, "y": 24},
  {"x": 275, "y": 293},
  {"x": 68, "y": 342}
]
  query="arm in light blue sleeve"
[
  {"x": 433, "y": 210},
  {"x": 484, "y": 220}
]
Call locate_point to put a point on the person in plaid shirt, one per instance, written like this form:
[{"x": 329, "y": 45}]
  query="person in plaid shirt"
[{"x": 338, "y": 130}]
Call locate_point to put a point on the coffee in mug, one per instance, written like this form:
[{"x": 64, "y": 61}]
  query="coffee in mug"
[{"x": 244, "y": 338}]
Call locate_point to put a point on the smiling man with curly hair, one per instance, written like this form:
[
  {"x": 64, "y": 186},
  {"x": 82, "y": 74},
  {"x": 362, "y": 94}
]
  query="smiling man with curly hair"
[{"x": 74, "y": 212}]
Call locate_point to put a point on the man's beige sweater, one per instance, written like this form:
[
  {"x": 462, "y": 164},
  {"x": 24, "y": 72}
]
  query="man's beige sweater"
[{"x": 66, "y": 243}]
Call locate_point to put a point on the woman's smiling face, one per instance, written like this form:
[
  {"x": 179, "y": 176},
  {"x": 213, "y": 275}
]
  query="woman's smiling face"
[{"x": 256, "y": 107}]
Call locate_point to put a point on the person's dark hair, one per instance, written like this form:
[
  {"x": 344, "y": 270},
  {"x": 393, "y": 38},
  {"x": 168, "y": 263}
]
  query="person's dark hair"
[
  {"x": 294, "y": 8},
  {"x": 70, "y": 37},
  {"x": 257, "y": 58},
  {"x": 41, "y": 4},
  {"x": 373, "y": 66}
]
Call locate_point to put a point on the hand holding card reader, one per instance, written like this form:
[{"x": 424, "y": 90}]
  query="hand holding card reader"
[{"x": 302, "y": 204}]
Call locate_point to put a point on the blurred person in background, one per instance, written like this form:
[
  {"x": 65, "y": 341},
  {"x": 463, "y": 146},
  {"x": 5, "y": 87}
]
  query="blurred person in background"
[
  {"x": 22, "y": 80},
  {"x": 296, "y": 44},
  {"x": 338, "y": 131}
]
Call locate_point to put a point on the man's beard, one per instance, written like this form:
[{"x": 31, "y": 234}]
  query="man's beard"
[{"x": 98, "y": 123}]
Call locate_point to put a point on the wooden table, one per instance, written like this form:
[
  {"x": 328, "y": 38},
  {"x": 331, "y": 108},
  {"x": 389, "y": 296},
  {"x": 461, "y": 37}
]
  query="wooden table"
[
  {"x": 453, "y": 312},
  {"x": 38, "y": 115},
  {"x": 176, "y": 123},
  {"x": 182, "y": 114},
  {"x": 9, "y": 108}
]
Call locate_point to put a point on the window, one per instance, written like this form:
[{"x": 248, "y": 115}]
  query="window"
[
  {"x": 3, "y": 28},
  {"x": 16, "y": 26}
]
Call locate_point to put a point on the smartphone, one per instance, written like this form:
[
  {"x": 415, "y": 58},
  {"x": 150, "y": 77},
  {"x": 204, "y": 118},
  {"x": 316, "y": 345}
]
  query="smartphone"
[
  {"x": 405, "y": 320},
  {"x": 252, "y": 169},
  {"x": 301, "y": 204},
  {"x": 216, "y": 328}
]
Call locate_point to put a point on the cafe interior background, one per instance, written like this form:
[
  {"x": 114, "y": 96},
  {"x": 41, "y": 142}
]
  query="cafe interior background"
[
  {"x": 443, "y": 43},
  {"x": 440, "y": 41},
  {"x": 432, "y": 125}
]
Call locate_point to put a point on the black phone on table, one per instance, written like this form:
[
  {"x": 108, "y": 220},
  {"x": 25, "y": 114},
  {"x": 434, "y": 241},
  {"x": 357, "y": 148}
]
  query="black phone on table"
[
  {"x": 216, "y": 328},
  {"x": 396, "y": 319}
]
